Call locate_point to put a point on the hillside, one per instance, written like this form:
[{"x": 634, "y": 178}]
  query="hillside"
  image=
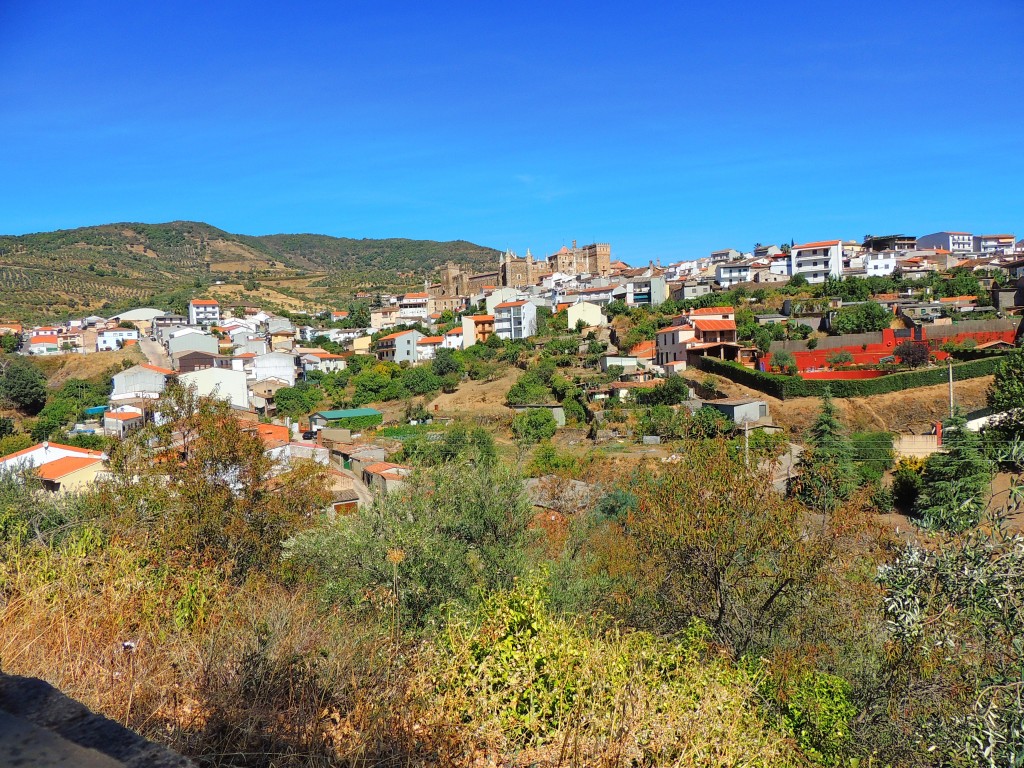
[{"x": 48, "y": 275}]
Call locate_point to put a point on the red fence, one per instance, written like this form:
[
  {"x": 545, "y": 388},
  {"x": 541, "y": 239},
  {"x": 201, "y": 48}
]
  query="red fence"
[{"x": 839, "y": 375}]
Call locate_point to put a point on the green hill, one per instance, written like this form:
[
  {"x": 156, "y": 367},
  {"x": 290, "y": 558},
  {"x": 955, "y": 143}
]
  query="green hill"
[{"x": 49, "y": 275}]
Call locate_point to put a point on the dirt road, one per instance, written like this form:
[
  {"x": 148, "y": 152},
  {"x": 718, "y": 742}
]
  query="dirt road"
[{"x": 154, "y": 352}]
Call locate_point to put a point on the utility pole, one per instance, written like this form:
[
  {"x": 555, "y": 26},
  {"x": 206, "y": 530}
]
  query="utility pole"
[{"x": 949, "y": 360}]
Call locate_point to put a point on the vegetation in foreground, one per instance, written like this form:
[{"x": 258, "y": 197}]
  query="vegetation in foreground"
[{"x": 687, "y": 614}]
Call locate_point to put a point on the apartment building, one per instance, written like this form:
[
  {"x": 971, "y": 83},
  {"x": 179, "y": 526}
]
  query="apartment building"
[
  {"x": 203, "y": 312},
  {"x": 399, "y": 347},
  {"x": 115, "y": 338},
  {"x": 817, "y": 261},
  {"x": 515, "y": 319},
  {"x": 955, "y": 242}
]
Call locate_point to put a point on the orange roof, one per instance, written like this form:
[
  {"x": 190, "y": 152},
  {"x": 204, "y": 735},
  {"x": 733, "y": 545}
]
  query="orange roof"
[
  {"x": 55, "y": 470},
  {"x": 383, "y": 466},
  {"x": 46, "y": 328},
  {"x": 959, "y": 298},
  {"x": 122, "y": 415},
  {"x": 23, "y": 451},
  {"x": 713, "y": 311},
  {"x": 392, "y": 336},
  {"x": 819, "y": 244},
  {"x": 339, "y": 314},
  {"x": 129, "y": 342},
  {"x": 643, "y": 349},
  {"x": 431, "y": 340},
  {"x": 507, "y": 304},
  {"x": 273, "y": 432},
  {"x": 562, "y": 307},
  {"x": 157, "y": 368},
  {"x": 11, "y": 326},
  {"x": 482, "y": 318},
  {"x": 672, "y": 328},
  {"x": 246, "y": 355},
  {"x": 205, "y": 302},
  {"x": 453, "y": 332},
  {"x": 420, "y": 295},
  {"x": 715, "y": 325},
  {"x": 327, "y": 356},
  {"x": 43, "y": 340}
]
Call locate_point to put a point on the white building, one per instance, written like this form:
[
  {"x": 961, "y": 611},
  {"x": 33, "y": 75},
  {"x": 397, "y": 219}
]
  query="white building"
[
  {"x": 515, "y": 320},
  {"x": 731, "y": 273},
  {"x": 115, "y": 338},
  {"x": 955, "y": 242},
  {"x": 203, "y": 312},
  {"x": 140, "y": 382},
  {"x": 398, "y": 347},
  {"x": 880, "y": 263},
  {"x": 221, "y": 383},
  {"x": 588, "y": 312},
  {"x": 426, "y": 348},
  {"x": 274, "y": 365},
  {"x": 44, "y": 453},
  {"x": 994, "y": 244},
  {"x": 452, "y": 339},
  {"x": 325, "y": 362},
  {"x": 44, "y": 344},
  {"x": 817, "y": 261}
]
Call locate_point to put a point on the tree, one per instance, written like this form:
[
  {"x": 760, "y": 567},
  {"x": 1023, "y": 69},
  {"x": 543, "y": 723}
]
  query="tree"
[
  {"x": 841, "y": 357},
  {"x": 9, "y": 342},
  {"x": 867, "y": 317},
  {"x": 784, "y": 362},
  {"x": 534, "y": 425},
  {"x": 453, "y": 534},
  {"x": 798, "y": 280},
  {"x": 911, "y": 354},
  {"x": 827, "y": 475},
  {"x": 421, "y": 380},
  {"x": 1006, "y": 395},
  {"x": 954, "y": 480},
  {"x": 446, "y": 362},
  {"x": 297, "y": 401},
  {"x": 707, "y": 539},
  {"x": 23, "y": 386}
]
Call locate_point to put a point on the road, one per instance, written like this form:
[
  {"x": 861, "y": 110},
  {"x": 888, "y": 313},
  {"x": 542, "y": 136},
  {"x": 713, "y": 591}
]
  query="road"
[{"x": 154, "y": 352}]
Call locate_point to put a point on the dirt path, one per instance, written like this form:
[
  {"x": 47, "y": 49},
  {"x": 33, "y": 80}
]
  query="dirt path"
[{"x": 478, "y": 398}]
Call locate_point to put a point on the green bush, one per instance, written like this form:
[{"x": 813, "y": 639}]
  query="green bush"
[
  {"x": 534, "y": 425},
  {"x": 818, "y": 712}
]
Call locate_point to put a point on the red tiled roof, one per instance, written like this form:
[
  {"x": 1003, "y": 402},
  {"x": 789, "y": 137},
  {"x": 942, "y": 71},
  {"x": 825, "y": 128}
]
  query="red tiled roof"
[
  {"x": 715, "y": 325},
  {"x": 55, "y": 470},
  {"x": 431, "y": 340},
  {"x": 122, "y": 415},
  {"x": 43, "y": 340},
  {"x": 713, "y": 311},
  {"x": 453, "y": 332},
  {"x": 383, "y": 466},
  {"x": 508, "y": 304},
  {"x": 643, "y": 349},
  {"x": 276, "y": 432},
  {"x": 394, "y": 335},
  {"x": 327, "y": 356},
  {"x": 482, "y": 318},
  {"x": 819, "y": 244},
  {"x": 246, "y": 355},
  {"x": 157, "y": 368},
  {"x": 205, "y": 302},
  {"x": 420, "y": 295},
  {"x": 958, "y": 298}
]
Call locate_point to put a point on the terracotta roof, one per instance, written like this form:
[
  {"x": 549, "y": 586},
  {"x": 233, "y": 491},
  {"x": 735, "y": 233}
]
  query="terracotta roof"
[
  {"x": 643, "y": 349},
  {"x": 246, "y": 355},
  {"x": 205, "y": 302},
  {"x": 23, "y": 451},
  {"x": 599, "y": 289},
  {"x": 122, "y": 415},
  {"x": 453, "y": 332},
  {"x": 383, "y": 466},
  {"x": 431, "y": 340},
  {"x": 275, "y": 432},
  {"x": 958, "y": 298},
  {"x": 482, "y": 318},
  {"x": 507, "y": 304},
  {"x": 392, "y": 336},
  {"x": 420, "y": 295},
  {"x": 55, "y": 470},
  {"x": 713, "y": 311},
  {"x": 157, "y": 368},
  {"x": 715, "y": 325},
  {"x": 819, "y": 244},
  {"x": 43, "y": 340},
  {"x": 327, "y": 356}
]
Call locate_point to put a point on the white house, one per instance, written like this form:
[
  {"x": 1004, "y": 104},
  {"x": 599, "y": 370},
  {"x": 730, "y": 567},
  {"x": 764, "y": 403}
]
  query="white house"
[
  {"x": 44, "y": 344},
  {"x": 274, "y": 365},
  {"x": 115, "y": 338},
  {"x": 121, "y": 421},
  {"x": 817, "y": 261},
  {"x": 730, "y": 273},
  {"x": 879, "y": 264},
  {"x": 426, "y": 348},
  {"x": 452, "y": 339},
  {"x": 44, "y": 453},
  {"x": 414, "y": 305},
  {"x": 515, "y": 319},
  {"x": 142, "y": 381},
  {"x": 221, "y": 383},
  {"x": 955, "y": 242},
  {"x": 192, "y": 340},
  {"x": 203, "y": 312},
  {"x": 325, "y": 362},
  {"x": 399, "y": 347},
  {"x": 588, "y": 312},
  {"x": 499, "y": 296}
]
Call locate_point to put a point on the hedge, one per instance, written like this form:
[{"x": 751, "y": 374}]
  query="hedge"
[{"x": 784, "y": 387}]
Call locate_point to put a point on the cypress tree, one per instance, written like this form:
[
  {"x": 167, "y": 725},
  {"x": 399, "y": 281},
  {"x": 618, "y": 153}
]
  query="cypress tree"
[
  {"x": 827, "y": 473},
  {"x": 954, "y": 480}
]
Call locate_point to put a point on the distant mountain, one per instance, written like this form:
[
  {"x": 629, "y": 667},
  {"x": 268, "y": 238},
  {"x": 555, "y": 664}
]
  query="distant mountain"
[{"x": 98, "y": 269}]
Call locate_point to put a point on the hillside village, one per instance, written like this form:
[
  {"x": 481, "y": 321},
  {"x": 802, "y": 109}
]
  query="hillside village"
[{"x": 557, "y": 438}]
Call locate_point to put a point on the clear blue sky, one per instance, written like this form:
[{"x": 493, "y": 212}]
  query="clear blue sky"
[{"x": 666, "y": 129}]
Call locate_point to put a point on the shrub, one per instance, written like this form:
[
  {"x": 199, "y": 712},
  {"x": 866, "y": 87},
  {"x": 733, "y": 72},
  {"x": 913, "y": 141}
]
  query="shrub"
[
  {"x": 818, "y": 712},
  {"x": 534, "y": 425}
]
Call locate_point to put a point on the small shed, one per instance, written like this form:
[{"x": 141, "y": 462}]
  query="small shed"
[{"x": 742, "y": 409}]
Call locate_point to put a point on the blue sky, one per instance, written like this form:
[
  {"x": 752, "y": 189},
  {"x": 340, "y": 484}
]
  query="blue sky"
[{"x": 666, "y": 131}]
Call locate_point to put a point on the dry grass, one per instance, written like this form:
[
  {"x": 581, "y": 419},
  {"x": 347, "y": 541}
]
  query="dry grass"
[{"x": 59, "y": 368}]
